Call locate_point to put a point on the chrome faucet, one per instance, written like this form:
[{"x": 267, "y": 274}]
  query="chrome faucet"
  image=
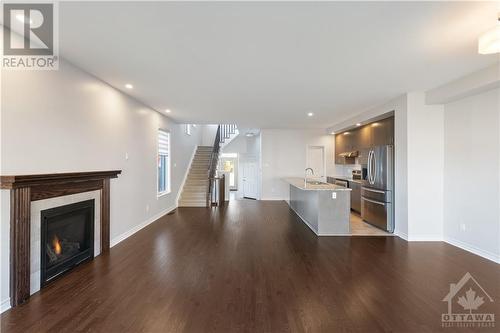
[{"x": 305, "y": 175}]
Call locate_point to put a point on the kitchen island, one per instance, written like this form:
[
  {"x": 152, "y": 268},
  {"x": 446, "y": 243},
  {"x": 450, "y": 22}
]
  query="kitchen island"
[{"x": 324, "y": 208}]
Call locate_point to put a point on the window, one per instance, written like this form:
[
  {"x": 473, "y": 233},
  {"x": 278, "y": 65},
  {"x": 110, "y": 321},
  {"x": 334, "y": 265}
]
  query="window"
[
  {"x": 163, "y": 162},
  {"x": 187, "y": 129}
]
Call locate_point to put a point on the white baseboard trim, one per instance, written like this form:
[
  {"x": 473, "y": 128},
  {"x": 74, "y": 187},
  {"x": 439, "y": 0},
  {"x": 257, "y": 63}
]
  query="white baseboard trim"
[
  {"x": 424, "y": 238},
  {"x": 401, "y": 235},
  {"x": 473, "y": 249},
  {"x": 179, "y": 192},
  {"x": 144, "y": 224},
  {"x": 5, "y": 305}
]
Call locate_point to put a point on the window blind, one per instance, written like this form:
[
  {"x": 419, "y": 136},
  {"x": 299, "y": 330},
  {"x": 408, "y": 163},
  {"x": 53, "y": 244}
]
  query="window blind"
[{"x": 163, "y": 138}]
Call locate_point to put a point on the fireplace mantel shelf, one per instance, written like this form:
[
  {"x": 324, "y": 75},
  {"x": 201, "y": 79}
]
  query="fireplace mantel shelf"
[
  {"x": 27, "y": 188},
  {"x": 16, "y": 181}
]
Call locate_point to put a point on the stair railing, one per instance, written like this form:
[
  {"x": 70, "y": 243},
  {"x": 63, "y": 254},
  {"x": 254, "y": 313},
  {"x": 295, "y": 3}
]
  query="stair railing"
[
  {"x": 216, "y": 185},
  {"x": 212, "y": 168}
]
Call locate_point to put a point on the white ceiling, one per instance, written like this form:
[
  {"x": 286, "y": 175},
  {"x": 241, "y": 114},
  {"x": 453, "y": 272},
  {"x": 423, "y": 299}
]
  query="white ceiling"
[{"x": 268, "y": 64}]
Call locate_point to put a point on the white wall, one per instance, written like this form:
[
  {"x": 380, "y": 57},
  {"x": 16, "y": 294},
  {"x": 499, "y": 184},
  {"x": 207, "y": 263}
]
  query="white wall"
[
  {"x": 472, "y": 173},
  {"x": 244, "y": 145},
  {"x": 284, "y": 155},
  {"x": 475, "y": 83},
  {"x": 67, "y": 120},
  {"x": 208, "y": 133},
  {"x": 425, "y": 165}
]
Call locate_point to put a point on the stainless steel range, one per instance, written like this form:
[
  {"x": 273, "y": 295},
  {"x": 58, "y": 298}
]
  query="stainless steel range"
[{"x": 377, "y": 193}]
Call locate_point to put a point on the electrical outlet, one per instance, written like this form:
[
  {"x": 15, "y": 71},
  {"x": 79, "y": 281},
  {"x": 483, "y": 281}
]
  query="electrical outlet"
[{"x": 334, "y": 195}]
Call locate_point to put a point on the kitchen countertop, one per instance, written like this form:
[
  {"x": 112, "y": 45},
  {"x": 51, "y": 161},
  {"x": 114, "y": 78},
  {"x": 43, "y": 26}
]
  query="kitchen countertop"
[{"x": 299, "y": 183}]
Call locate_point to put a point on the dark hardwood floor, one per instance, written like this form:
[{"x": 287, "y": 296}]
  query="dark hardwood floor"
[{"x": 253, "y": 267}]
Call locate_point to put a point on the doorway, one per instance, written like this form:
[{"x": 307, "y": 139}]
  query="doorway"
[
  {"x": 250, "y": 174},
  {"x": 316, "y": 161},
  {"x": 229, "y": 164}
]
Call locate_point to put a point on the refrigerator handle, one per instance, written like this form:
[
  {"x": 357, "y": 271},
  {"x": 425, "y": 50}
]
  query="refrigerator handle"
[
  {"x": 369, "y": 169},
  {"x": 374, "y": 164}
]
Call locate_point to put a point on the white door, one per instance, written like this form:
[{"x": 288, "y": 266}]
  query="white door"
[
  {"x": 249, "y": 178},
  {"x": 316, "y": 161}
]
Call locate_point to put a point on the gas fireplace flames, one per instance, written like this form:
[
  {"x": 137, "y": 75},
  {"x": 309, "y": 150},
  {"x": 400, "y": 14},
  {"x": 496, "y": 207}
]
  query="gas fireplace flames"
[{"x": 56, "y": 245}]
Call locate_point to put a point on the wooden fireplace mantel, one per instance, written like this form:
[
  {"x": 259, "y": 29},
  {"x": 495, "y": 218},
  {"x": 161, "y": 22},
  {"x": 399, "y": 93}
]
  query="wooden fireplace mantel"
[{"x": 27, "y": 188}]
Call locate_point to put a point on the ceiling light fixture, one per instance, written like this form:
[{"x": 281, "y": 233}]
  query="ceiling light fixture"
[
  {"x": 489, "y": 42},
  {"x": 249, "y": 134},
  {"x": 332, "y": 133},
  {"x": 129, "y": 86},
  {"x": 358, "y": 124},
  {"x": 167, "y": 111},
  {"x": 310, "y": 114}
]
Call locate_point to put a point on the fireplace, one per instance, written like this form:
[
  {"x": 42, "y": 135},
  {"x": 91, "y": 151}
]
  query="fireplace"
[{"x": 67, "y": 238}]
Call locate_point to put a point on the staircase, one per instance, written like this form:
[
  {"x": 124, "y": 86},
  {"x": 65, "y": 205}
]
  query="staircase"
[
  {"x": 203, "y": 187},
  {"x": 194, "y": 193}
]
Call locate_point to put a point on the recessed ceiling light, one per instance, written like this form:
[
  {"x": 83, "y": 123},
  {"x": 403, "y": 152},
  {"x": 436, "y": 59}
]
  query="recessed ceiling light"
[
  {"x": 332, "y": 133},
  {"x": 249, "y": 134},
  {"x": 129, "y": 86},
  {"x": 310, "y": 114},
  {"x": 167, "y": 111},
  {"x": 358, "y": 124},
  {"x": 347, "y": 133}
]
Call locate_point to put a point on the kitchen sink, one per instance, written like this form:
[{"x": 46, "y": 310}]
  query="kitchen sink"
[{"x": 315, "y": 182}]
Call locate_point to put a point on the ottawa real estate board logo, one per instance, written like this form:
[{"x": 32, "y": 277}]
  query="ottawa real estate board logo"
[
  {"x": 469, "y": 305},
  {"x": 30, "y": 39}
]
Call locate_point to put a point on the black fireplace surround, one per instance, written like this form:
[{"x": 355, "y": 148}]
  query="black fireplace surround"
[{"x": 67, "y": 238}]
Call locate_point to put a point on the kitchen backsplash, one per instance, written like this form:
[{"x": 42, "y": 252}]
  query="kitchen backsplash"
[{"x": 346, "y": 170}]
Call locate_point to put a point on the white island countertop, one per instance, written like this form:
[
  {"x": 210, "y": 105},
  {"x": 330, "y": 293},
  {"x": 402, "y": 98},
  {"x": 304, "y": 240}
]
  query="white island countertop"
[{"x": 299, "y": 183}]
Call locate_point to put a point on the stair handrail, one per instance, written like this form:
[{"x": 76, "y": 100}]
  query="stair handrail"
[
  {"x": 224, "y": 131},
  {"x": 212, "y": 166}
]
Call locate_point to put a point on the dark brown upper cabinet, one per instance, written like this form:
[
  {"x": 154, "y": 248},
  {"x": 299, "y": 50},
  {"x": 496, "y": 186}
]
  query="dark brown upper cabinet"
[
  {"x": 361, "y": 139},
  {"x": 365, "y": 135},
  {"x": 339, "y": 148},
  {"x": 350, "y": 140},
  {"x": 383, "y": 132}
]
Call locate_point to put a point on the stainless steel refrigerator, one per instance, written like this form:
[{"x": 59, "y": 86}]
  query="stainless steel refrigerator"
[{"x": 377, "y": 193}]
